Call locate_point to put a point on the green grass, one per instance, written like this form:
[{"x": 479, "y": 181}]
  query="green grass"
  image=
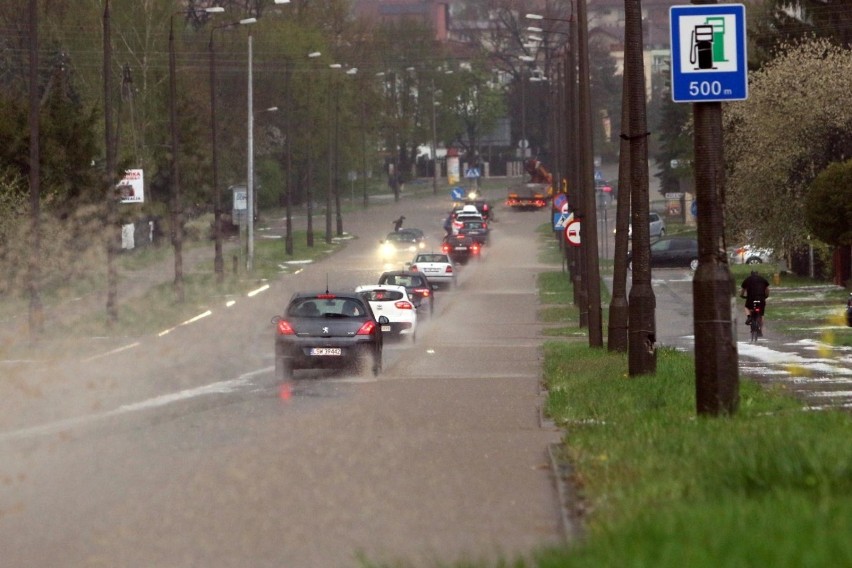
[
  {"x": 159, "y": 309},
  {"x": 666, "y": 488}
]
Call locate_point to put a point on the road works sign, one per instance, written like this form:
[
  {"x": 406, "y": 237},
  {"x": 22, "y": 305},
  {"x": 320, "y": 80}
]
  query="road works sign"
[{"x": 708, "y": 43}]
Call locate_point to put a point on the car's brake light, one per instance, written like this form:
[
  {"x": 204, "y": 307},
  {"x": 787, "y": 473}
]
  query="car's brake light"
[
  {"x": 475, "y": 249},
  {"x": 445, "y": 248},
  {"x": 413, "y": 268},
  {"x": 367, "y": 328},
  {"x": 403, "y": 305},
  {"x": 326, "y": 296},
  {"x": 448, "y": 269},
  {"x": 485, "y": 225},
  {"x": 285, "y": 328},
  {"x": 422, "y": 291}
]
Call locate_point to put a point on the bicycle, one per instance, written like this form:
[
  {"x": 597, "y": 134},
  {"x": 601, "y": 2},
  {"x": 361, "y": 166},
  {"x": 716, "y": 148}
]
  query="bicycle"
[{"x": 755, "y": 321}]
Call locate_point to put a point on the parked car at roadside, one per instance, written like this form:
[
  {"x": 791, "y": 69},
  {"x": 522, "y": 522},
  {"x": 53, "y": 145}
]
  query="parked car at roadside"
[
  {"x": 748, "y": 254},
  {"x": 656, "y": 226},
  {"x": 671, "y": 252}
]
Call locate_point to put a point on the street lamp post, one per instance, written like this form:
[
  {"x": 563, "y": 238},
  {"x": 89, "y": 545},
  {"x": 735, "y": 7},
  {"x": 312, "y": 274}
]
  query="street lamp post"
[
  {"x": 218, "y": 260},
  {"x": 527, "y": 59},
  {"x": 331, "y": 148},
  {"x": 434, "y": 142},
  {"x": 177, "y": 213},
  {"x": 250, "y": 165},
  {"x": 310, "y": 190}
]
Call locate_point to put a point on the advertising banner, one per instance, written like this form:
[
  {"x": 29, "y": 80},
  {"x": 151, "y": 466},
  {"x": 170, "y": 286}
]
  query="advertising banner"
[{"x": 131, "y": 188}]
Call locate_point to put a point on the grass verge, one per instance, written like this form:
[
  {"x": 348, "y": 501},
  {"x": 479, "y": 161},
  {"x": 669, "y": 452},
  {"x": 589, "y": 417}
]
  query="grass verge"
[
  {"x": 660, "y": 486},
  {"x": 771, "y": 486}
]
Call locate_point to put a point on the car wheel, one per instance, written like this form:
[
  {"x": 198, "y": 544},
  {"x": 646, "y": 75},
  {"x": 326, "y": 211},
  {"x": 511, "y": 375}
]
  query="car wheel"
[
  {"x": 368, "y": 363},
  {"x": 693, "y": 264},
  {"x": 662, "y": 233},
  {"x": 283, "y": 368},
  {"x": 753, "y": 260}
]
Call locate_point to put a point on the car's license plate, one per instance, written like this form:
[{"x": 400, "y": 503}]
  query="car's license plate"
[
  {"x": 386, "y": 328},
  {"x": 431, "y": 270},
  {"x": 327, "y": 351},
  {"x": 461, "y": 248}
]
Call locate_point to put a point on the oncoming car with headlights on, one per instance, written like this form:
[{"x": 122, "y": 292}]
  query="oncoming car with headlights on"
[
  {"x": 401, "y": 244},
  {"x": 328, "y": 330}
]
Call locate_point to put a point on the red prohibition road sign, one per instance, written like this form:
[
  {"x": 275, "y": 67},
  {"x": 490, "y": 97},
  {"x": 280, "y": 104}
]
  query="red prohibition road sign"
[{"x": 572, "y": 233}]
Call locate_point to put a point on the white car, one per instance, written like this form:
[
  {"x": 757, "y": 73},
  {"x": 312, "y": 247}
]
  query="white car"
[
  {"x": 437, "y": 266},
  {"x": 656, "y": 226},
  {"x": 467, "y": 213},
  {"x": 748, "y": 254},
  {"x": 394, "y": 303}
]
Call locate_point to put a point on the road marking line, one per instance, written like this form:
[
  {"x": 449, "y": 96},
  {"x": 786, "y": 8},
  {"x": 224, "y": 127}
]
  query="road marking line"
[
  {"x": 113, "y": 352},
  {"x": 222, "y": 387},
  {"x": 258, "y": 291}
]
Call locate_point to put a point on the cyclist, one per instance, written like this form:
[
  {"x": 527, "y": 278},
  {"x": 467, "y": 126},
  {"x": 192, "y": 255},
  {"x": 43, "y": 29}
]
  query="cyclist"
[{"x": 755, "y": 288}]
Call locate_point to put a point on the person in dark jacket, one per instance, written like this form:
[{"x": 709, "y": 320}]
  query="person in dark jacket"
[
  {"x": 397, "y": 225},
  {"x": 755, "y": 288}
]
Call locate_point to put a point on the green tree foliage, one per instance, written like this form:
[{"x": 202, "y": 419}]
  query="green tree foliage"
[
  {"x": 471, "y": 104},
  {"x": 797, "y": 120},
  {"x": 675, "y": 138},
  {"x": 828, "y": 206}
]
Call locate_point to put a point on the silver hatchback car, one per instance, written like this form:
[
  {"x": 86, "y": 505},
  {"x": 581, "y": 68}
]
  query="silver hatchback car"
[{"x": 656, "y": 224}]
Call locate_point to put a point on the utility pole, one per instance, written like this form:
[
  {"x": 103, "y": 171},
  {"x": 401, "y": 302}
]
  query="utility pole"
[
  {"x": 618, "y": 306},
  {"x": 642, "y": 351},
  {"x": 589, "y": 222},
  {"x": 36, "y": 310},
  {"x": 111, "y": 197}
]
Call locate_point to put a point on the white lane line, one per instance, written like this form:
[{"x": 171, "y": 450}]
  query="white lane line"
[
  {"x": 113, "y": 352},
  {"x": 222, "y": 387},
  {"x": 254, "y": 293}
]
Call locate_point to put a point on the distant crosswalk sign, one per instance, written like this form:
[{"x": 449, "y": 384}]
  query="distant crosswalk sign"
[{"x": 560, "y": 220}]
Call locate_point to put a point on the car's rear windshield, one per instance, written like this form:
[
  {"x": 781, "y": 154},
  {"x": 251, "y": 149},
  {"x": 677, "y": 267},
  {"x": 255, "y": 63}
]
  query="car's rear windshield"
[
  {"x": 402, "y": 280},
  {"x": 383, "y": 295},
  {"x": 316, "y": 307},
  {"x": 431, "y": 258}
]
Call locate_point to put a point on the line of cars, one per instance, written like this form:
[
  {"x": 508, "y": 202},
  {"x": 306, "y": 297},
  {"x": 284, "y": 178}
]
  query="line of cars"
[{"x": 347, "y": 329}]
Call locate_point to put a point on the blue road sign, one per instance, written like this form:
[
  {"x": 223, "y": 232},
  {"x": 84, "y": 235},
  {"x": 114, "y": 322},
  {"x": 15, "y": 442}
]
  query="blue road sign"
[
  {"x": 457, "y": 193},
  {"x": 559, "y": 200},
  {"x": 708, "y": 43},
  {"x": 561, "y": 220}
]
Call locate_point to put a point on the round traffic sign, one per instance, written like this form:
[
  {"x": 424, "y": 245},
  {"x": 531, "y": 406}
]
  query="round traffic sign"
[{"x": 572, "y": 233}]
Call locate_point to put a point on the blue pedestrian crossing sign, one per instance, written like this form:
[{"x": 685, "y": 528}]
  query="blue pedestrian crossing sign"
[
  {"x": 561, "y": 220},
  {"x": 708, "y": 43}
]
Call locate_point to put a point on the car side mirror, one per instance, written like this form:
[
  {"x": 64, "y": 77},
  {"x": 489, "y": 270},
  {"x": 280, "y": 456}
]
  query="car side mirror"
[{"x": 383, "y": 320}]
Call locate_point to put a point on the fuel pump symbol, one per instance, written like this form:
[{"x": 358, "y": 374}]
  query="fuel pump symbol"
[{"x": 701, "y": 47}]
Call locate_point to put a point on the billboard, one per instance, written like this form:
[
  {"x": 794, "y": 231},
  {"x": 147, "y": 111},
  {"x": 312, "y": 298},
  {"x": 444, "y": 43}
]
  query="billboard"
[{"x": 131, "y": 188}]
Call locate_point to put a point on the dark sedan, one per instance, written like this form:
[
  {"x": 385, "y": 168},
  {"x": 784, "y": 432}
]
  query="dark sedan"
[
  {"x": 460, "y": 248},
  {"x": 327, "y": 330},
  {"x": 477, "y": 230},
  {"x": 671, "y": 252},
  {"x": 419, "y": 289}
]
